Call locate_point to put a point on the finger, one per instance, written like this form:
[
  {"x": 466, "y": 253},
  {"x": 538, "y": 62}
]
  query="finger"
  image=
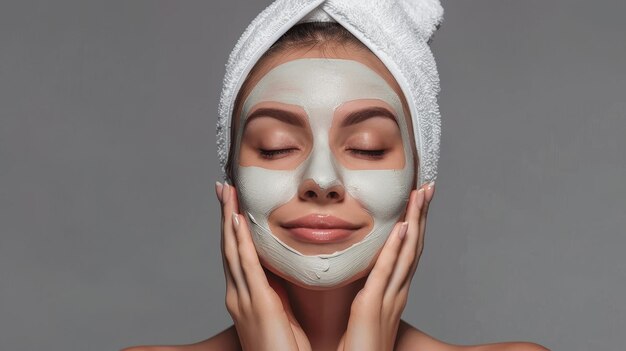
[
  {"x": 218, "y": 190},
  {"x": 248, "y": 257},
  {"x": 430, "y": 192},
  {"x": 231, "y": 288},
  {"x": 408, "y": 253},
  {"x": 230, "y": 283},
  {"x": 226, "y": 240},
  {"x": 235, "y": 199},
  {"x": 379, "y": 276},
  {"x": 229, "y": 278},
  {"x": 231, "y": 194},
  {"x": 428, "y": 196},
  {"x": 230, "y": 243}
]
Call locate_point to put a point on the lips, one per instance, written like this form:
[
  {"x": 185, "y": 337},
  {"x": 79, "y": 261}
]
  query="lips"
[{"x": 319, "y": 228}]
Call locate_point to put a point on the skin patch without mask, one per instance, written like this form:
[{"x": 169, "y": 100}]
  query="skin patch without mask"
[{"x": 319, "y": 86}]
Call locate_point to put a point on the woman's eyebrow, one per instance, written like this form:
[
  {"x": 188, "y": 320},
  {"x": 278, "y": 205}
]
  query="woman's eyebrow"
[
  {"x": 366, "y": 113},
  {"x": 281, "y": 115}
]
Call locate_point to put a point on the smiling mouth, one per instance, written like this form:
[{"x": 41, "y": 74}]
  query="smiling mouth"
[{"x": 320, "y": 229}]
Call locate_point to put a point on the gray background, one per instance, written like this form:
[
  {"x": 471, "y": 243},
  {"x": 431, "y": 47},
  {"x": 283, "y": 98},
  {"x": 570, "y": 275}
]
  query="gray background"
[{"x": 109, "y": 226}]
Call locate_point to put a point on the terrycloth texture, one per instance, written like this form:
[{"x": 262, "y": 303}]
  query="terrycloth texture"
[{"x": 396, "y": 31}]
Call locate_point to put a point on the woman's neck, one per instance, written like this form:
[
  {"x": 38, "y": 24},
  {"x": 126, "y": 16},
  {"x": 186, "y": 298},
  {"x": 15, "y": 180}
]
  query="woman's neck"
[{"x": 323, "y": 314}]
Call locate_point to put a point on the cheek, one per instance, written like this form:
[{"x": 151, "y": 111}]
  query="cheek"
[
  {"x": 384, "y": 193},
  {"x": 261, "y": 190}
]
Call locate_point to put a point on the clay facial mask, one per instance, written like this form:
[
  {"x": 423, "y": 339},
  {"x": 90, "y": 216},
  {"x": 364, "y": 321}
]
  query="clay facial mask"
[{"x": 319, "y": 86}]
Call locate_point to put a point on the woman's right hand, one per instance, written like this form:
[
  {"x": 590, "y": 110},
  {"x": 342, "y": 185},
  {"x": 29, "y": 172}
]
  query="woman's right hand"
[{"x": 260, "y": 310}]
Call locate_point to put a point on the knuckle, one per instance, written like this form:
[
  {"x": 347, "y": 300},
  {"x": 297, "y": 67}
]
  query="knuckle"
[
  {"x": 356, "y": 308},
  {"x": 361, "y": 302},
  {"x": 365, "y": 311},
  {"x": 244, "y": 305},
  {"x": 231, "y": 304}
]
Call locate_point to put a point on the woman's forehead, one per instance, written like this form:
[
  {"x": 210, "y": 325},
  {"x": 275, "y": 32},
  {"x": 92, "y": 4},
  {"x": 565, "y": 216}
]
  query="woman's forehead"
[
  {"x": 321, "y": 83},
  {"x": 328, "y": 50}
]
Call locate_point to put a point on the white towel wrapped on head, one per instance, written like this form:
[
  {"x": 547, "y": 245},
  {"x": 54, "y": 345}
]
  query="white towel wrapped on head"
[{"x": 396, "y": 31}]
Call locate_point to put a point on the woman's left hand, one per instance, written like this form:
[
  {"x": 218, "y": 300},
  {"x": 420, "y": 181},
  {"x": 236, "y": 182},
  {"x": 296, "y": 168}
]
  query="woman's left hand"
[{"x": 376, "y": 310}]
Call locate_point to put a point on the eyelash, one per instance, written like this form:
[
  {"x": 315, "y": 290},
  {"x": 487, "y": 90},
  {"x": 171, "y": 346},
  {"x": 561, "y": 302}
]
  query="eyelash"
[
  {"x": 374, "y": 154},
  {"x": 271, "y": 154}
]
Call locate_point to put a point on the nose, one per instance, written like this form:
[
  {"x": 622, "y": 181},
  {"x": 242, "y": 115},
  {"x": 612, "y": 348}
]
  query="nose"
[
  {"x": 320, "y": 179},
  {"x": 311, "y": 191}
]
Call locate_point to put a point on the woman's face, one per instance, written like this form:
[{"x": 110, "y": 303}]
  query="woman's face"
[{"x": 323, "y": 164}]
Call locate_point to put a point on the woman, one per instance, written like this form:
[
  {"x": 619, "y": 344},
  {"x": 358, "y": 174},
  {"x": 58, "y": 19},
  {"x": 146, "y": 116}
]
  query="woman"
[{"x": 324, "y": 224}]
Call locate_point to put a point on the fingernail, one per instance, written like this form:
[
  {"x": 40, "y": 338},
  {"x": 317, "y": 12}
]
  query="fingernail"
[
  {"x": 403, "y": 228},
  {"x": 236, "y": 220},
  {"x": 420, "y": 195},
  {"x": 431, "y": 185}
]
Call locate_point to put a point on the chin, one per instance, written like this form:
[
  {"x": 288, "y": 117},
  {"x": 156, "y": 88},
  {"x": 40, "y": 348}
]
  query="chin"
[{"x": 358, "y": 276}]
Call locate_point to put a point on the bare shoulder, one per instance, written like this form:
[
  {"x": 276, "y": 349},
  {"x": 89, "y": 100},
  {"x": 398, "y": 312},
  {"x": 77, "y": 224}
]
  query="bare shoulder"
[
  {"x": 410, "y": 338},
  {"x": 226, "y": 340},
  {"x": 506, "y": 346}
]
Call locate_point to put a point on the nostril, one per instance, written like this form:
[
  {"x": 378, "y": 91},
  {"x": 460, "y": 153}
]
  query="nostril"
[{"x": 311, "y": 191}]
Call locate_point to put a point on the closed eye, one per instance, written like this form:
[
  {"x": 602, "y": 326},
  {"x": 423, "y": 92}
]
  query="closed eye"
[
  {"x": 372, "y": 154},
  {"x": 277, "y": 153}
]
